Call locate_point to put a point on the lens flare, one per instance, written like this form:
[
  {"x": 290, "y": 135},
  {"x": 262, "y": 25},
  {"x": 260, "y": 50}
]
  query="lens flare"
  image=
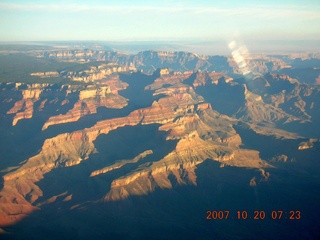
[{"x": 239, "y": 53}]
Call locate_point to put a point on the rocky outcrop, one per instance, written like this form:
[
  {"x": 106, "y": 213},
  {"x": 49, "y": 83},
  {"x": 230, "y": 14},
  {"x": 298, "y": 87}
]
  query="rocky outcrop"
[
  {"x": 180, "y": 164},
  {"x": 261, "y": 176},
  {"x": 93, "y": 92},
  {"x": 147, "y": 61},
  {"x": 95, "y": 73},
  {"x": 307, "y": 144},
  {"x": 45, "y": 74},
  {"x": 172, "y": 79},
  {"x": 23, "y": 109},
  {"x": 89, "y": 100},
  {"x": 86, "y": 73},
  {"x": 65, "y": 150},
  {"x": 256, "y": 110},
  {"x": 280, "y": 158},
  {"x": 115, "y": 84},
  {"x": 260, "y": 64},
  {"x": 203, "y": 78},
  {"x": 47, "y": 96},
  {"x": 199, "y": 139},
  {"x": 121, "y": 163}
]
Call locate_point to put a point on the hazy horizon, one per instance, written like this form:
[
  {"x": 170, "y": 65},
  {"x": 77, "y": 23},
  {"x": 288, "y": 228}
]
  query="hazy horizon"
[
  {"x": 199, "y": 47},
  {"x": 159, "y": 20}
]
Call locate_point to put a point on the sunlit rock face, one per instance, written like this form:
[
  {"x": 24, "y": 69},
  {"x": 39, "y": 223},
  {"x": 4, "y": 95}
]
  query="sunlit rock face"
[
  {"x": 23, "y": 109},
  {"x": 89, "y": 100}
]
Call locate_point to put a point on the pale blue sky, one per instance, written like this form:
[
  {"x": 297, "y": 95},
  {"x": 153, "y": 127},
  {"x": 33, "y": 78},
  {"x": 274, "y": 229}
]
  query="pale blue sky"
[{"x": 41, "y": 20}]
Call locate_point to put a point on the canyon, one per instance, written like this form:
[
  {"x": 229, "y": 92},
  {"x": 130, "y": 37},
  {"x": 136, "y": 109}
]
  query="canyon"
[{"x": 125, "y": 127}]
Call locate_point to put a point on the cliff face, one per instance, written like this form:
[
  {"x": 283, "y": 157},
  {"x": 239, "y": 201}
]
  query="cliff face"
[
  {"x": 48, "y": 96},
  {"x": 45, "y": 74},
  {"x": 259, "y": 64},
  {"x": 199, "y": 139},
  {"x": 65, "y": 150},
  {"x": 86, "y": 73},
  {"x": 23, "y": 109},
  {"x": 256, "y": 110},
  {"x": 147, "y": 61},
  {"x": 89, "y": 100},
  {"x": 177, "y": 78},
  {"x": 95, "y": 73}
]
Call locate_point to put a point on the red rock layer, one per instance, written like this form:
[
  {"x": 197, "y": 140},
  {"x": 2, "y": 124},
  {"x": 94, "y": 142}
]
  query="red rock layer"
[
  {"x": 169, "y": 79},
  {"x": 24, "y": 108},
  {"x": 87, "y": 106}
]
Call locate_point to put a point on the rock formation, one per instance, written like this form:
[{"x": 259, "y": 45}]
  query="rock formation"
[
  {"x": 89, "y": 100},
  {"x": 201, "y": 132},
  {"x": 23, "y": 109},
  {"x": 83, "y": 74},
  {"x": 196, "y": 108}
]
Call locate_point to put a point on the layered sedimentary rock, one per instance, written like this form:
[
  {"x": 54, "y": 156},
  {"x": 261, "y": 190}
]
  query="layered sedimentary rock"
[
  {"x": 295, "y": 98},
  {"x": 202, "y": 78},
  {"x": 115, "y": 83},
  {"x": 23, "y": 109},
  {"x": 166, "y": 79},
  {"x": 96, "y": 73},
  {"x": 257, "y": 111},
  {"x": 50, "y": 96},
  {"x": 147, "y": 61},
  {"x": 66, "y": 150},
  {"x": 89, "y": 100},
  {"x": 198, "y": 141},
  {"x": 260, "y": 64},
  {"x": 83, "y": 74},
  {"x": 121, "y": 163},
  {"x": 45, "y": 74}
]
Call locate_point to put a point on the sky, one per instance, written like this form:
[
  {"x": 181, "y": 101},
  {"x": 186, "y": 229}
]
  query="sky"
[{"x": 166, "y": 20}]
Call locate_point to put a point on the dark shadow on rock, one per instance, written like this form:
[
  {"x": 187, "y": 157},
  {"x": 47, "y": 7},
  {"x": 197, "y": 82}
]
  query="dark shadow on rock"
[
  {"x": 223, "y": 97},
  {"x": 120, "y": 144}
]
